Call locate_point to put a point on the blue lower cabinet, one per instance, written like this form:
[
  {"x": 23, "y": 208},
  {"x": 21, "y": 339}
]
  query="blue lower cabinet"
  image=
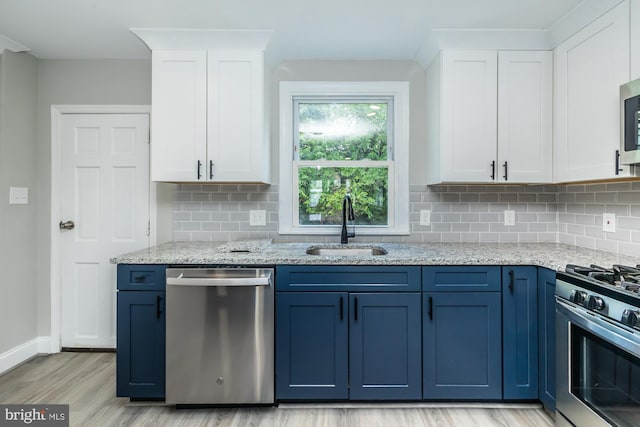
[
  {"x": 140, "y": 358},
  {"x": 520, "y": 332},
  {"x": 462, "y": 346},
  {"x": 547, "y": 338},
  {"x": 311, "y": 345},
  {"x": 385, "y": 346}
]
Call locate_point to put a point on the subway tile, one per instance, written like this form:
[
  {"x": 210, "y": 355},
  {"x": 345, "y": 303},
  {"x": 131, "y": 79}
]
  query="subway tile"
[
  {"x": 479, "y": 207},
  {"x": 526, "y": 217},
  {"x": 219, "y": 216},
  {"x": 585, "y": 198},
  {"x": 480, "y": 226},
  {"x": 635, "y": 238},
  {"x": 230, "y": 226},
  {"x": 460, "y": 226},
  {"x": 274, "y": 197},
  {"x": 470, "y": 217},
  {"x": 230, "y": 207},
  {"x": 547, "y": 237},
  {"x": 507, "y": 197},
  {"x": 527, "y": 198},
  {"x": 200, "y": 216},
  {"x": 191, "y": 226},
  {"x": 211, "y": 226},
  {"x": 537, "y": 207},
  {"x": 220, "y": 236},
  {"x": 575, "y": 229},
  {"x": 569, "y": 239},
  {"x": 586, "y": 242},
  {"x": 259, "y": 197},
  {"x": 490, "y": 217},
  {"x": 635, "y": 185},
  {"x": 219, "y": 197},
  {"x": 417, "y": 188},
  {"x": 228, "y": 188},
  {"x": 192, "y": 206},
  {"x": 567, "y": 197},
  {"x": 594, "y": 209},
  {"x": 430, "y": 197},
  {"x": 518, "y": 207},
  {"x": 498, "y": 207},
  {"x": 620, "y": 235},
  {"x": 547, "y": 217},
  {"x": 182, "y": 216},
  {"x": 585, "y": 219},
  {"x": 441, "y": 207},
  {"x": 575, "y": 208},
  {"x": 431, "y": 237},
  {"x": 537, "y": 227},
  {"x": 450, "y": 217},
  {"x": 628, "y": 222},
  {"x": 629, "y": 249},
  {"x": 180, "y": 236},
  {"x": 594, "y": 188},
  {"x": 527, "y": 237},
  {"x": 201, "y": 197},
  {"x": 619, "y": 186},
  {"x": 489, "y": 197},
  {"x": 182, "y": 196},
  {"x": 415, "y": 197},
  {"x": 546, "y": 198},
  {"x": 478, "y": 188},
  {"x": 619, "y": 210},
  {"x": 450, "y": 198},
  {"x": 489, "y": 237},
  {"x": 450, "y": 237},
  {"x": 441, "y": 227},
  {"x": 553, "y": 227},
  {"x": 631, "y": 197},
  {"x": 606, "y": 197},
  {"x": 469, "y": 237},
  {"x": 508, "y": 237},
  {"x": 176, "y": 226},
  {"x": 575, "y": 188},
  {"x": 595, "y": 232},
  {"x": 469, "y": 197}
]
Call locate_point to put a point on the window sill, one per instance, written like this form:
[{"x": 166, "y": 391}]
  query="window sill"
[{"x": 335, "y": 231}]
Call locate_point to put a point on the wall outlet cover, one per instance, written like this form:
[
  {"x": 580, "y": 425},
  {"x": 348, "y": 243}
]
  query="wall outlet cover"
[
  {"x": 257, "y": 217},
  {"x": 609, "y": 222},
  {"x": 509, "y": 218},
  {"x": 18, "y": 195},
  {"x": 425, "y": 217}
]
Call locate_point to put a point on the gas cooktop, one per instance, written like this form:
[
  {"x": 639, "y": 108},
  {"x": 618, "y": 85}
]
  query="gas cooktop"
[{"x": 620, "y": 278}]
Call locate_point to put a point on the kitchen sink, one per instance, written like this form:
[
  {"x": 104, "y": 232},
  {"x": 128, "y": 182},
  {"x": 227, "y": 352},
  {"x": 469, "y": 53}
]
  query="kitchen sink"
[{"x": 346, "y": 250}]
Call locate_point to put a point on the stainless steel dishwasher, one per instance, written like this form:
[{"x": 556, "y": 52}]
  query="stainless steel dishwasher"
[{"x": 219, "y": 336}]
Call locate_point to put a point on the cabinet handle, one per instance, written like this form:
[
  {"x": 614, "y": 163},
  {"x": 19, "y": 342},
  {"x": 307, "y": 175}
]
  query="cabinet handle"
[
  {"x": 138, "y": 279},
  {"x": 355, "y": 309},
  {"x": 618, "y": 168},
  {"x": 511, "y": 280},
  {"x": 430, "y": 308},
  {"x": 199, "y": 167},
  {"x": 341, "y": 309},
  {"x": 505, "y": 171},
  {"x": 158, "y": 309},
  {"x": 210, "y": 169},
  {"x": 493, "y": 170}
]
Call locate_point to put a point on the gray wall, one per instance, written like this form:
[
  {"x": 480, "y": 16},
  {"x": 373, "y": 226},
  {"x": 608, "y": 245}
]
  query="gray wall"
[
  {"x": 18, "y": 95},
  {"x": 75, "y": 82}
]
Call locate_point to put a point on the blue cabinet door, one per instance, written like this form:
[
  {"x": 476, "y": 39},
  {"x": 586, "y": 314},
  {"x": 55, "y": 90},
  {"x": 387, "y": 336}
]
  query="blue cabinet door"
[
  {"x": 462, "y": 346},
  {"x": 547, "y": 338},
  {"x": 312, "y": 345},
  {"x": 384, "y": 346},
  {"x": 140, "y": 356},
  {"x": 520, "y": 332}
]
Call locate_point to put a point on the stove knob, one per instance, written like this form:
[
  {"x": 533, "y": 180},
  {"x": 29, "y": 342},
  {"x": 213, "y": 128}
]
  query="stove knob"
[
  {"x": 594, "y": 303},
  {"x": 631, "y": 318},
  {"x": 578, "y": 297}
]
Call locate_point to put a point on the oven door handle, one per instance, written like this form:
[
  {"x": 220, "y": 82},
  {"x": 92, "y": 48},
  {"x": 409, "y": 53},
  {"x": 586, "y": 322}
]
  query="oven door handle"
[{"x": 616, "y": 335}]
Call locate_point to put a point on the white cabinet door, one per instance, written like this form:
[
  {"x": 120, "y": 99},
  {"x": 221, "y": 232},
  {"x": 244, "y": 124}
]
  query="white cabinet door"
[
  {"x": 524, "y": 117},
  {"x": 468, "y": 115},
  {"x": 236, "y": 141},
  {"x": 589, "y": 68},
  {"x": 179, "y": 114}
]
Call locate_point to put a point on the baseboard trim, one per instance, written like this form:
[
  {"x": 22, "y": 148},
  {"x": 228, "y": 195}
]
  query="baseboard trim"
[{"x": 20, "y": 354}]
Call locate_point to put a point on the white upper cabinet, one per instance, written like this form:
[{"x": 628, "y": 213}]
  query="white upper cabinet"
[
  {"x": 489, "y": 117},
  {"x": 237, "y": 147},
  {"x": 179, "y": 115},
  {"x": 525, "y": 116},
  {"x": 589, "y": 69},
  {"x": 208, "y": 105}
]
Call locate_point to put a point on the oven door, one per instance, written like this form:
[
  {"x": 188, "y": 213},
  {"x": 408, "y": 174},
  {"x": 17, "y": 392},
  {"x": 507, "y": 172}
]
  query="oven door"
[{"x": 598, "y": 369}]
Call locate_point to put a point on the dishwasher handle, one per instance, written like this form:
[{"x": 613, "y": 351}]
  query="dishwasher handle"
[{"x": 210, "y": 281}]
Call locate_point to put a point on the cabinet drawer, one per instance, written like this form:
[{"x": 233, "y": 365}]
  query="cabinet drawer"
[
  {"x": 459, "y": 278},
  {"x": 140, "y": 277},
  {"x": 348, "y": 278}
]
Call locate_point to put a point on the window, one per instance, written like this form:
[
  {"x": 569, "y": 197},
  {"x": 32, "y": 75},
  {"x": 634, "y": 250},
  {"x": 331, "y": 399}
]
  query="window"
[{"x": 343, "y": 138}]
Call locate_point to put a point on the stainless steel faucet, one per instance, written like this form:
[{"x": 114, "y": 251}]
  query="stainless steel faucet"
[{"x": 347, "y": 214}]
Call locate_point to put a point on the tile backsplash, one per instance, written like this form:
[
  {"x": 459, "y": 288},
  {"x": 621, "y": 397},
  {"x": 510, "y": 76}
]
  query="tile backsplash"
[{"x": 459, "y": 213}]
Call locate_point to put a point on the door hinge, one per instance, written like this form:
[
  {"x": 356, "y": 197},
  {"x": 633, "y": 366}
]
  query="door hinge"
[{"x": 148, "y": 228}]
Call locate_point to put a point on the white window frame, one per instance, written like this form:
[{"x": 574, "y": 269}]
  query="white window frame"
[{"x": 398, "y": 213}]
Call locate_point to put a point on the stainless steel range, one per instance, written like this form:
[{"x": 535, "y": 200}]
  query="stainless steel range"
[{"x": 598, "y": 346}]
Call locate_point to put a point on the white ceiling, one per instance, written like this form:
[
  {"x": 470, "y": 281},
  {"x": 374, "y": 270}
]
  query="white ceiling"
[{"x": 304, "y": 29}]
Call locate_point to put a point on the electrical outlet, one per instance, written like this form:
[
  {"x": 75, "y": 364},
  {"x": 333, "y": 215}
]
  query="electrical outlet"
[
  {"x": 257, "y": 217},
  {"x": 425, "y": 217},
  {"x": 18, "y": 196},
  {"x": 609, "y": 222},
  {"x": 509, "y": 218}
]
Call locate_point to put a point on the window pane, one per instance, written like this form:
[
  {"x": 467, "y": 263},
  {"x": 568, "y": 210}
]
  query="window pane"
[
  {"x": 342, "y": 131},
  {"x": 322, "y": 189}
]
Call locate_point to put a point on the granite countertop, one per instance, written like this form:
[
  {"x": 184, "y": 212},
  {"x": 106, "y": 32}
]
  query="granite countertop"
[{"x": 263, "y": 252}]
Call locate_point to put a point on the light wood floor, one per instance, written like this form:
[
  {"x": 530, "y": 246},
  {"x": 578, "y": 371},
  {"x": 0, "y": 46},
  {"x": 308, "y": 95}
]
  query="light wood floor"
[{"x": 86, "y": 381}]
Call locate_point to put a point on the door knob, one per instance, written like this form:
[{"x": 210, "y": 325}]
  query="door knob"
[{"x": 67, "y": 225}]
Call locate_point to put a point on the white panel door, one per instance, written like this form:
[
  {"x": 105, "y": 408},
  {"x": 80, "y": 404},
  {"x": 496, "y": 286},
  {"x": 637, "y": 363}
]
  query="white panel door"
[
  {"x": 235, "y": 130},
  {"x": 469, "y": 115},
  {"x": 105, "y": 179},
  {"x": 524, "y": 116},
  {"x": 179, "y": 107},
  {"x": 589, "y": 69}
]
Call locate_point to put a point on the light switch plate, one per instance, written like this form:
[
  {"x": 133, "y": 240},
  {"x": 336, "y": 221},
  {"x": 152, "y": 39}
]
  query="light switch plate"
[
  {"x": 509, "y": 218},
  {"x": 609, "y": 222},
  {"x": 258, "y": 217},
  {"x": 425, "y": 217},
  {"x": 18, "y": 195}
]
